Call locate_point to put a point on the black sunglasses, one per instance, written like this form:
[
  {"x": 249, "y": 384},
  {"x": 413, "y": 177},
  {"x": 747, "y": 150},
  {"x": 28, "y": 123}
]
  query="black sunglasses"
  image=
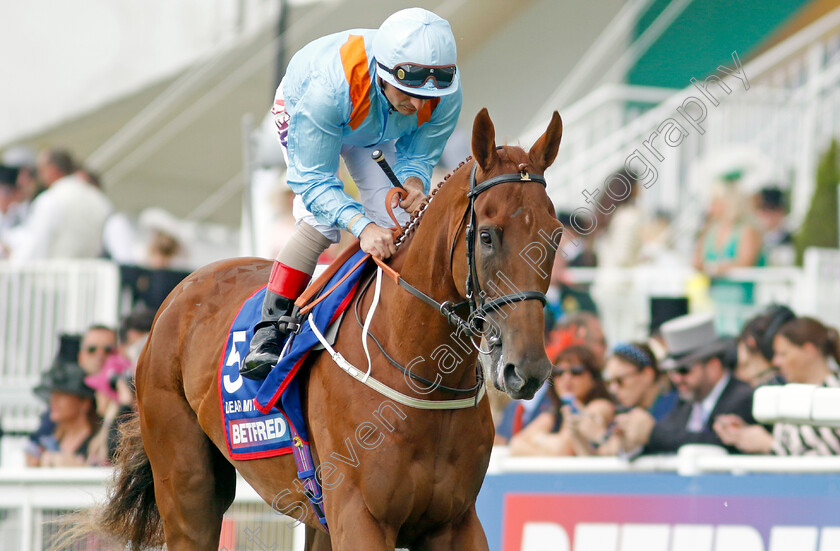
[
  {"x": 93, "y": 348},
  {"x": 621, "y": 379},
  {"x": 575, "y": 370},
  {"x": 682, "y": 371},
  {"x": 415, "y": 76}
]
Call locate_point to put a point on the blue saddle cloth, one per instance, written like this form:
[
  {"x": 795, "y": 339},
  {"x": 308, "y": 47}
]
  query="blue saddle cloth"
[{"x": 262, "y": 418}]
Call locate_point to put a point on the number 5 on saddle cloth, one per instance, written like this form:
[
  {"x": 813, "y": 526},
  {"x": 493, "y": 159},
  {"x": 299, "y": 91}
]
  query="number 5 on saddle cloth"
[{"x": 265, "y": 418}]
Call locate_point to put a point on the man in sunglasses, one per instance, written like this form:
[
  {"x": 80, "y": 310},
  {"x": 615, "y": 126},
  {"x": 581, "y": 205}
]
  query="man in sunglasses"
[
  {"x": 698, "y": 366},
  {"x": 98, "y": 342},
  {"x": 395, "y": 88},
  {"x": 89, "y": 352}
]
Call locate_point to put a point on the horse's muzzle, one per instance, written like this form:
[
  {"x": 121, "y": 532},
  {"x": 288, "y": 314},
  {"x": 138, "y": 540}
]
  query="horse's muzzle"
[{"x": 518, "y": 386}]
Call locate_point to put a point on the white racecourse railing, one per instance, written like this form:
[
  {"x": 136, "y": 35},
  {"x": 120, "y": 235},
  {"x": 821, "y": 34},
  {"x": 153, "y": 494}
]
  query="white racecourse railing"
[
  {"x": 813, "y": 290},
  {"x": 31, "y": 500},
  {"x": 38, "y": 301},
  {"x": 777, "y": 127}
]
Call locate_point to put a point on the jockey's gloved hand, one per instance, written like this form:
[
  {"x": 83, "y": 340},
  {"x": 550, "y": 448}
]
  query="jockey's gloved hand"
[
  {"x": 377, "y": 241},
  {"x": 414, "y": 187}
]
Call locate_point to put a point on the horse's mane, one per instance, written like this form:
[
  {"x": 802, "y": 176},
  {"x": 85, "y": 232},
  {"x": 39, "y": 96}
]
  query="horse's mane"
[{"x": 409, "y": 227}]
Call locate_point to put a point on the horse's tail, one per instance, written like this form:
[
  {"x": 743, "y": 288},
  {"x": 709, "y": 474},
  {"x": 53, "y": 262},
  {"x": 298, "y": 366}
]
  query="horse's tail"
[{"x": 130, "y": 517}]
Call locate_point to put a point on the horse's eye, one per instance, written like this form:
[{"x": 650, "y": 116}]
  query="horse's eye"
[{"x": 485, "y": 237}]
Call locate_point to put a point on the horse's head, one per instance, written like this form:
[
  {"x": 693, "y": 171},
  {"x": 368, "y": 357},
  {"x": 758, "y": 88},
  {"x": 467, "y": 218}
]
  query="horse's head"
[{"x": 513, "y": 217}]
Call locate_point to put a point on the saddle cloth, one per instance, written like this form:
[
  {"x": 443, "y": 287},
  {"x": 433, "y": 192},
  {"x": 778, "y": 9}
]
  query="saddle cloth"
[{"x": 263, "y": 418}]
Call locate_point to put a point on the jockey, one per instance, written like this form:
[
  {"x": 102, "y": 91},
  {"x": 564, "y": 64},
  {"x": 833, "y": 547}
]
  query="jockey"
[{"x": 343, "y": 95}]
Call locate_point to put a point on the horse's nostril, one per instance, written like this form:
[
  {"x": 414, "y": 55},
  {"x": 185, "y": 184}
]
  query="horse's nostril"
[{"x": 513, "y": 380}]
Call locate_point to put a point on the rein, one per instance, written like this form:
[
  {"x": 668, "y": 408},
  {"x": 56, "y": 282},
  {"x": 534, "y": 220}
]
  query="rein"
[
  {"x": 475, "y": 296},
  {"x": 475, "y": 299}
]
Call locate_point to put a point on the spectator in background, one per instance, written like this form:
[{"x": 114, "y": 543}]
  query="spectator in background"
[
  {"x": 24, "y": 160},
  {"x": 777, "y": 241},
  {"x": 577, "y": 390},
  {"x": 577, "y": 250},
  {"x": 729, "y": 239},
  {"x": 90, "y": 353},
  {"x": 562, "y": 297},
  {"x": 114, "y": 401},
  {"x": 803, "y": 349},
  {"x": 98, "y": 343},
  {"x": 634, "y": 380},
  {"x": 114, "y": 384},
  {"x": 696, "y": 366},
  {"x": 579, "y": 328},
  {"x": 66, "y": 220},
  {"x": 582, "y": 329},
  {"x": 73, "y": 413},
  {"x": 755, "y": 347},
  {"x": 10, "y": 211},
  {"x": 619, "y": 238},
  {"x": 164, "y": 243}
]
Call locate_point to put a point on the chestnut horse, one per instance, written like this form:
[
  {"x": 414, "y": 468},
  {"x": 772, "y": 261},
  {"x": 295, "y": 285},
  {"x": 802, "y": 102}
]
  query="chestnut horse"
[{"x": 393, "y": 475}]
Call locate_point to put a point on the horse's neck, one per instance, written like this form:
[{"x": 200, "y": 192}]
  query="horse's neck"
[
  {"x": 424, "y": 260},
  {"x": 425, "y": 263}
]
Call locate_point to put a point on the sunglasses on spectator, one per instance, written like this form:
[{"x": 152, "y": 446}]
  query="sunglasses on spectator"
[
  {"x": 621, "y": 379},
  {"x": 93, "y": 348},
  {"x": 415, "y": 76},
  {"x": 575, "y": 370},
  {"x": 682, "y": 371}
]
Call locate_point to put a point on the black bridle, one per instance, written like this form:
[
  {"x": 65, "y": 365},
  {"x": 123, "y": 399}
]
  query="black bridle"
[
  {"x": 473, "y": 325},
  {"x": 478, "y": 308}
]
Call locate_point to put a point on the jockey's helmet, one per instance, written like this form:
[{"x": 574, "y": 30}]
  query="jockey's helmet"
[{"x": 415, "y": 52}]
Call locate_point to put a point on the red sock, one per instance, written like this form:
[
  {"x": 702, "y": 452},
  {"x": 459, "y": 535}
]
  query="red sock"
[{"x": 287, "y": 282}]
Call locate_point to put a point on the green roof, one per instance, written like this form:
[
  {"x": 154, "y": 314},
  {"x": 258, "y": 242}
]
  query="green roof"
[{"x": 704, "y": 36}]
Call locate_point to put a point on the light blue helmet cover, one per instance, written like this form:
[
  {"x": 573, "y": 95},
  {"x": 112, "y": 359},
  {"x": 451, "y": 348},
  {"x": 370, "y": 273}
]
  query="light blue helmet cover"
[{"x": 417, "y": 36}]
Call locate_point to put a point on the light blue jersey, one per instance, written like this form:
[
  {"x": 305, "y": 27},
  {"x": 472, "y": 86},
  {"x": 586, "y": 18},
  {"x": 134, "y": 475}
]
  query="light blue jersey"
[{"x": 330, "y": 98}]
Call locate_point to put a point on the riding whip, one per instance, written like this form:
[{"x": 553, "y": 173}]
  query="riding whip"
[{"x": 380, "y": 159}]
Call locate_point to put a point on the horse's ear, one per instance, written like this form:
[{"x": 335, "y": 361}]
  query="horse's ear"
[
  {"x": 484, "y": 141},
  {"x": 544, "y": 150}
]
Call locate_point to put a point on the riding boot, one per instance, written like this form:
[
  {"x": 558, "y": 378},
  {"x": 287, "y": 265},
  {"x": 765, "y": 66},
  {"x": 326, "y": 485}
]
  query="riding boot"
[{"x": 284, "y": 286}]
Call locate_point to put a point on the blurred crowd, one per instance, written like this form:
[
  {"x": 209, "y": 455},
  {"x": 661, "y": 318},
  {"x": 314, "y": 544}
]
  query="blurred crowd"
[
  {"x": 53, "y": 207},
  {"x": 89, "y": 392},
  {"x": 738, "y": 229},
  {"x": 686, "y": 384}
]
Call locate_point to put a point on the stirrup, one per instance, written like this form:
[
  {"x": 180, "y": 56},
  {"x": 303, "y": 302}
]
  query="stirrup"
[{"x": 288, "y": 325}]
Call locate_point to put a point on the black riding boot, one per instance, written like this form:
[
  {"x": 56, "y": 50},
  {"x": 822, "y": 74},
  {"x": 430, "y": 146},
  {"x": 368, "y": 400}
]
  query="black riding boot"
[{"x": 268, "y": 338}]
